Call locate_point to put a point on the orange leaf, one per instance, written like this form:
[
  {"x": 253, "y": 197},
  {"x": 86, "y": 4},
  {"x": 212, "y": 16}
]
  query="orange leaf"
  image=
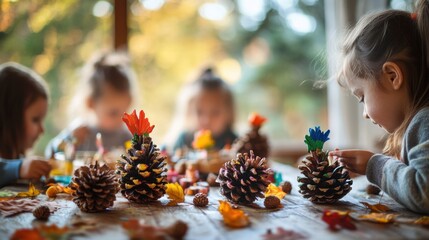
[
  {"x": 53, "y": 230},
  {"x": 379, "y": 208},
  {"x": 137, "y": 125},
  {"x": 32, "y": 192},
  {"x": 256, "y": 120},
  {"x": 422, "y": 221},
  {"x": 378, "y": 217},
  {"x": 273, "y": 190},
  {"x": 27, "y": 234},
  {"x": 235, "y": 218},
  {"x": 203, "y": 140},
  {"x": 175, "y": 193}
]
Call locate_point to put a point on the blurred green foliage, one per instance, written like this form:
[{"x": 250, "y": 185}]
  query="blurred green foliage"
[{"x": 271, "y": 66}]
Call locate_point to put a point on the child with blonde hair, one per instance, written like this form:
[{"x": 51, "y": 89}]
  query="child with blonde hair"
[
  {"x": 23, "y": 106},
  {"x": 104, "y": 94},
  {"x": 386, "y": 67}
]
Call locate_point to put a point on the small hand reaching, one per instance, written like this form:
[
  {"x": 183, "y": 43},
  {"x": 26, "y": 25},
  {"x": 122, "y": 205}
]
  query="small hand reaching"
[
  {"x": 34, "y": 168},
  {"x": 354, "y": 160}
]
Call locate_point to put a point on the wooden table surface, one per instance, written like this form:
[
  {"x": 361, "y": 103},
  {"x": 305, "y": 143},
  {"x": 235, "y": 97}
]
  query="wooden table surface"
[{"x": 297, "y": 214}]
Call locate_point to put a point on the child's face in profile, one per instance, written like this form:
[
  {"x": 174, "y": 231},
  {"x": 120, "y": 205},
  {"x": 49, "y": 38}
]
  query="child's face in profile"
[
  {"x": 33, "y": 121},
  {"x": 211, "y": 111},
  {"x": 109, "y": 107}
]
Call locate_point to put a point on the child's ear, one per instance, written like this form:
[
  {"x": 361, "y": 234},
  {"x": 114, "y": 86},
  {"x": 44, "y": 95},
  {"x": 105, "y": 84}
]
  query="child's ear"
[{"x": 393, "y": 74}]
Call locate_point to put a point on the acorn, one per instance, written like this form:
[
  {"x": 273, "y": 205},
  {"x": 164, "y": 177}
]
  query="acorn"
[{"x": 272, "y": 202}]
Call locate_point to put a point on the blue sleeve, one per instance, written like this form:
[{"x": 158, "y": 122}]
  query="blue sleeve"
[{"x": 9, "y": 171}]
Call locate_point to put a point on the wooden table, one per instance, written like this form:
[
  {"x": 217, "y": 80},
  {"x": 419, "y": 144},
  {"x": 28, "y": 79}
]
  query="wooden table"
[{"x": 298, "y": 214}]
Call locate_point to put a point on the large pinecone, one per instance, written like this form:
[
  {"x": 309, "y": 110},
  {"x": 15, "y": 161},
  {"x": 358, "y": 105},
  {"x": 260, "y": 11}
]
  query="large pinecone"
[
  {"x": 323, "y": 182},
  {"x": 94, "y": 187},
  {"x": 142, "y": 171},
  {"x": 244, "y": 179},
  {"x": 254, "y": 141}
]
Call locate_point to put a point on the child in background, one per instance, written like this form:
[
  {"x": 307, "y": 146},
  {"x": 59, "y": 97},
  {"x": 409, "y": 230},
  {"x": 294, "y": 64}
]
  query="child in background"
[
  {"x": 387, "y": 68},
  {"x": 208, "y": 104},
  {"x": 23, "y": 106},
  {"x": 105, "y": 93}
]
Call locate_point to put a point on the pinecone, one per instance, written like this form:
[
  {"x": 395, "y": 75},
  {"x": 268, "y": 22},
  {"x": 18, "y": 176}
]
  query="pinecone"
[
  {"x": 200, "y": 200},
  {"x": 254, "y": 141},
  {"x": 142, "y": 170},
  {"x": 272, "y": 202},
  {"x": 42, "y": 212},
  {"x": 323, "y": 182},
  {"x": 95, "y": 187},
  {"x": 244, "y": 179}
]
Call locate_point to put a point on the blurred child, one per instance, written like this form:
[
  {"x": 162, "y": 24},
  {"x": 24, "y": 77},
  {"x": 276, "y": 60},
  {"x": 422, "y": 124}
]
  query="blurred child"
[
  {"x": 208, "y": 103},
  {"x": 387, "y": 68},
  {"x": 23, "y": 106},
  {"x": 104, "y": 94}
]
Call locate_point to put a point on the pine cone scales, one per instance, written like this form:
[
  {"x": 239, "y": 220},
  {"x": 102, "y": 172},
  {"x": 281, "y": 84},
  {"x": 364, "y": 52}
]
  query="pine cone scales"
[
  {"x": 142, "y": 171},
  {"x": 94, "y": 187},
  {"x": 323, "y": 182},
  {"x": 244, "y": 178},
  {"x": 254, "y": 141}
]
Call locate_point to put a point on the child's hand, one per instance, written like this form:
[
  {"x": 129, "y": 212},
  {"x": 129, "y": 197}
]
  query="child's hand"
[
  {"x": 80, "y": 134},
  {"x": 353, "y": 160},
  {"x": 34, "y": 169}
]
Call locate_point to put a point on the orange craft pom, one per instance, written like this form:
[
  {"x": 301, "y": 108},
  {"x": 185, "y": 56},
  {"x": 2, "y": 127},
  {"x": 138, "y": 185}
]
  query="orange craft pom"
[
  {"x": 137, "y": 125},
  {"x": 413, "y": 16},
  {"x": 256, "y": 120}
]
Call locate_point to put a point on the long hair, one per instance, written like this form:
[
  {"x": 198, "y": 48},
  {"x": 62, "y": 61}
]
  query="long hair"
[
  {"x": 19, "y": 88},
  {"x": 395, "y": 36}
]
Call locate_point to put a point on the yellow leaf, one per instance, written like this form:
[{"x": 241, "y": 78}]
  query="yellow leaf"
[
  {"x": 32, "y": 192},
  {"x": 203, "y": 140},
  {"x": 273, "y": 190},
  {"x": 235, "y": 218},
  {"x": 379, "y": 208},
  {"x": 175, "y": 193},
  {"x": 378, "y": 217},
  {"x": 422, "y": 221}
]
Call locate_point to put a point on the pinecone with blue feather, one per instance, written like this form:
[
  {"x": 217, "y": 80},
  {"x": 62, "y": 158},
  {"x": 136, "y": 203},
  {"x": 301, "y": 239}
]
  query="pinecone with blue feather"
[{"x": 323, "y": 181}]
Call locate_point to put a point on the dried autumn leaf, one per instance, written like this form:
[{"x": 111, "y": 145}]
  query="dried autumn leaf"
[
  {"x": 32, "y": 192},
  {"x": 235, "y": 218},
  {"x": 273, "y": 190},
  {"x": 378, "y": 208},
  {"x": 175, "y": 193},
  {"x": 136, "y": 230},
  {"x": 338, "y": 219},
  {"x": 203, "y": 140},
  {"x": 53, "y": 231},
  {"x": 282, "y": 233},
  {"x": 422, "y": 221},
  {"x": 27, "y": 234},
  {"x": 378, "y": 217}
]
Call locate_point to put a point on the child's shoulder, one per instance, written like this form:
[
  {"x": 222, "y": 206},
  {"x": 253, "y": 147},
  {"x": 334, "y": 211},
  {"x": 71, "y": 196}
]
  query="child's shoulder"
[{"x": 419, "y": 125}]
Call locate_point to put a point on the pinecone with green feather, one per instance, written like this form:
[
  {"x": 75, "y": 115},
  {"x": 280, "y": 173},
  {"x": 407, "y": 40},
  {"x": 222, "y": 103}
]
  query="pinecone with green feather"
[{"x": 323, "y": 181}]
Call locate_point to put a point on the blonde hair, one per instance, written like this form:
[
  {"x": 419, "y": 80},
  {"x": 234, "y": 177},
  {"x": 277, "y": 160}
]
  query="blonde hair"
[
  {"x": 207, "y": 81},
  {"x": 107, "y": 68},
  {"x": 395, "y": 36}
]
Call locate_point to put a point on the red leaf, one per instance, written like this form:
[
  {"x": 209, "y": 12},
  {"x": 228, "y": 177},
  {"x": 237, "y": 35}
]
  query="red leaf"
[
  {"x": 256, "y": 120},
  {"x": 337, "y": 220}
]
